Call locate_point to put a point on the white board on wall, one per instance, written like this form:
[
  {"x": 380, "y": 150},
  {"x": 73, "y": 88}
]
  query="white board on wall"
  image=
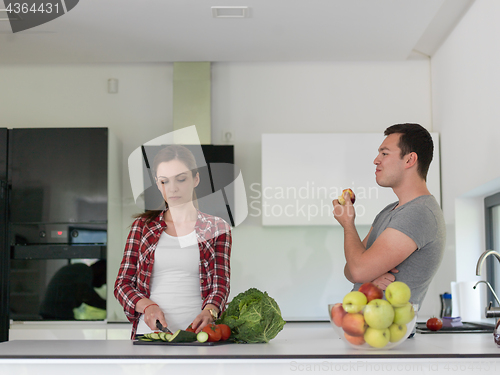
[{"x": 303, "y": 173}]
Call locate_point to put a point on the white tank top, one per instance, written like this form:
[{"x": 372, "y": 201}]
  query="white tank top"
[{"x": 175, "y": 281}]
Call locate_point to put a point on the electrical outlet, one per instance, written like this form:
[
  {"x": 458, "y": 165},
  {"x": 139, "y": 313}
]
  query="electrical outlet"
[{"x": 227, "y": 136}]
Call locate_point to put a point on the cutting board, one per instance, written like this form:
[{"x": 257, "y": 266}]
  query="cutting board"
[
  {"x": 467, "y": 327},
  {"x": 194, "y": 343}
]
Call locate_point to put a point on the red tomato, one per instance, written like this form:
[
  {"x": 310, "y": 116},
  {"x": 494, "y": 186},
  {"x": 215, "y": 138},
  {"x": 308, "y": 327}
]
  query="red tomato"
[
  {"x": 214, "y": 333},
  {"x": 434, "y": 324},
  {"x": 190, "y": 328},
  {"x": 225, "y": 330}
]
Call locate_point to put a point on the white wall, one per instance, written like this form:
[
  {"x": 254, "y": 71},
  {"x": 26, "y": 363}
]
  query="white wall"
[
  {"x": 76, "y": 96},
  {"x": 301, "y": 267},
  {"x": 466, "y": 88}
]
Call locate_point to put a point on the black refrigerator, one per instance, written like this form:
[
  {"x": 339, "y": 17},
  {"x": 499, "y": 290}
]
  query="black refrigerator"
[
  {"x": 4, "y": 253},
  {"x": 53, "y": 211}
]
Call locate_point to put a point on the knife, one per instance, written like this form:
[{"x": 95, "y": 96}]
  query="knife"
[{"x": 161, "y": 328}]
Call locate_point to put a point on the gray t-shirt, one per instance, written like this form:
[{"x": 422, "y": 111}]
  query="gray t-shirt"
[{"x": 422, "y": 220}]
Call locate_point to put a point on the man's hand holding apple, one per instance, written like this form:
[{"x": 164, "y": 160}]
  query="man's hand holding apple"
[{"x": 344, "y": 213}]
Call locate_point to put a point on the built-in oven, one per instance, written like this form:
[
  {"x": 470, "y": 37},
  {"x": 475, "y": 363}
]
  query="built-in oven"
[{"x": 57, "y": 198}]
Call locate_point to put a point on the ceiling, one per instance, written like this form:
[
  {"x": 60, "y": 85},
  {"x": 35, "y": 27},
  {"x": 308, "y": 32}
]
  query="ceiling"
[{"x": 139, "y": 31}]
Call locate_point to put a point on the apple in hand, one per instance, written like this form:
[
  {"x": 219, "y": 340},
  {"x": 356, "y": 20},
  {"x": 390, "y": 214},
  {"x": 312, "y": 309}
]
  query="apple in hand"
[
  {"x": 397, "y": 293},
  {"x": 398, "y": 331},
  {"x": 341, "y": 198},
  {"x": 354, "y": 302},
  {"x": 404, "y": 314},
  {"x": 379, "y": 314},
  {"x": 371, "y": 291},
  {"x": 338, "y": 313},
  {"x": 354, "y": 324},
  {"x": 378, "y": 338},
  {"x": 355, "y": 340}
]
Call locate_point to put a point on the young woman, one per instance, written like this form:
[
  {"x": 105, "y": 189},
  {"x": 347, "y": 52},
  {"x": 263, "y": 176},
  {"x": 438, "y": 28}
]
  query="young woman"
[{"x": 176, "y": 264}]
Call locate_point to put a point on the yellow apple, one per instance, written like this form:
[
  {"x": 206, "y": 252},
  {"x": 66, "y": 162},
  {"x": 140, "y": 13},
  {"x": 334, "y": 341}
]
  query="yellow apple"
[
  {"x": 354, "y": 302},
  {"x": 379, "y": 314},
  {"x": 398, "y": 331},
  {"x": 404, "y": 314},
  {"x": 378, "y": 338},
  {"x": 397, "y": 293}
]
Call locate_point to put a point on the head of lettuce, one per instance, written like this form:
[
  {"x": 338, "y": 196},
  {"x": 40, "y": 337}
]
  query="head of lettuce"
[{"x": 253, "y": 317}]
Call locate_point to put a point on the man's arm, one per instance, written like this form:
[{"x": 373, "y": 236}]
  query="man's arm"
[
  {"x": 365, "y": 241},
  {"x": 390, "y": 249},
  {"x": 381, "y": 281},
  {"x": 347, "y": 273}
]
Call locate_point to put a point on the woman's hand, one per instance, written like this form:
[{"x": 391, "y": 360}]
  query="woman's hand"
[
  {"x": 204, "y": 318},
  {"x": 152, "y": 314}
]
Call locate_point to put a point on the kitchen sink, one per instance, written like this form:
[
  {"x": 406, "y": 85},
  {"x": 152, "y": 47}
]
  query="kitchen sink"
[{"x": 467, "y": 327}]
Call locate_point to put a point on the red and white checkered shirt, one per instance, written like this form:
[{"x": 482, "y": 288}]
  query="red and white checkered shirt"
[{"x": 133, "y": 281}]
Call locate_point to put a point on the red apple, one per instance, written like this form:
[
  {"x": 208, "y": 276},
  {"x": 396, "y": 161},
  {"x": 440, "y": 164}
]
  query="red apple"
[
  {"x": 371, "y": 291},
  {"x": 351, "y": 194},
  {"x": 354, "y": 324},
  {"x": 338, "y": 313},
  {"x": 355, "y": 340}
]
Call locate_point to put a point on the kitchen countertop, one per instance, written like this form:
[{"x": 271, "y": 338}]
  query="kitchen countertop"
[
  {"x": 297, "y": 340},
  {"x": 300, "y": 347}
]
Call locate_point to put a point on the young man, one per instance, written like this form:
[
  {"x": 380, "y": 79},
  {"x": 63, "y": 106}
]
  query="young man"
[{"x": 407, "y": 238}]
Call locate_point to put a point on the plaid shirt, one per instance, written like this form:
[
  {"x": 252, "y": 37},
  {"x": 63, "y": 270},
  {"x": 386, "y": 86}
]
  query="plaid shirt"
[{"x": 133, "y": 281}]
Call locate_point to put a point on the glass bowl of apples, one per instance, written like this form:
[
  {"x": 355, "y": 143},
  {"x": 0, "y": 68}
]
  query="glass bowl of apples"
[{"x": 364, "y": 320}]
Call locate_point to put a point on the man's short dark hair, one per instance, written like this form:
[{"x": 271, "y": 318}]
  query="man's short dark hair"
[{"x": 414, "y": 138}]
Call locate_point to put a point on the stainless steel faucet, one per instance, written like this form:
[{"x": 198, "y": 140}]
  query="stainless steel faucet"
[
  {"x": 491, "y": 312},
  {"x": 489, "y": 286},
  {"x": 483, "y": 257}
]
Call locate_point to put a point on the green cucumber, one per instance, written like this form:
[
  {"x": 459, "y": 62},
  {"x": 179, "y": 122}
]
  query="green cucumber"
[
  {"x": 164, "y": 336},
  {"x": 183, "y": 336},
  {"x": 154, "y": 336},
  {"x": 202, "y": 336}
]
